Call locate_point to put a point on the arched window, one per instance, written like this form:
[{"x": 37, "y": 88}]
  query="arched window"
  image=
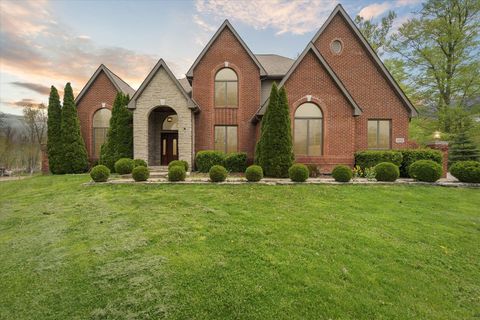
[
  {"x": 101, "y": 122},
  {"x": 308, "y": 130},
  {"x": 226, "y": 88},
  {"x": 170, "y": 122}
]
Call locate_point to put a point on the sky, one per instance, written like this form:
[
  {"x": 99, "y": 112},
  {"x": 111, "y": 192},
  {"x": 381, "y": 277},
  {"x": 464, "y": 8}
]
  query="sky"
[{"x": 44, "y": 42}]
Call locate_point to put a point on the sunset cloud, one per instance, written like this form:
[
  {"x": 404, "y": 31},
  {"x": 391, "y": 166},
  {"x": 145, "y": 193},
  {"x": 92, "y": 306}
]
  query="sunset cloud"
[
  {"x": 377, "y": 9},
  {"x": 24, "y": 103},
  {"x": 40, "y": 88},
  {"x": 284, "y": 16},
  {"x": 39, "y": 49}
]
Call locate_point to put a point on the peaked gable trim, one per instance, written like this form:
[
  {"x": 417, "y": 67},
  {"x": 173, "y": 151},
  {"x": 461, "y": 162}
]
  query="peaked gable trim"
[
  {"x": 111, "y": 76},
  {"x": 310, "y": 47},
  {"x": 161, "y": 64},
  {"x": 340, "y": 10},
  {"x": 225, "y": 24}
]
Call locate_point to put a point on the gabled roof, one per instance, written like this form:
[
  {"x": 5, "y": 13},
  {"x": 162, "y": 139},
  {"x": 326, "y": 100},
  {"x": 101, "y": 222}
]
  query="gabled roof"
[
  {"x": 117, "y": 82},
  {"x": 161, "y": 64},
  {"x": 310, "y": 47},
  {"x": 225, "y": 24},
  {"x": 185, "y": 84},
  {"x": 340, "y": 10},
  {"x": 275, "y": 65}
]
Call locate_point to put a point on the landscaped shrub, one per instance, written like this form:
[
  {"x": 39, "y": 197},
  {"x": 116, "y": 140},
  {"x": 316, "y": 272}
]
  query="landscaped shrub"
[
  {"x": 100, "y": 173},
  {"x": 139, "y": 162},
  {"x": 274, "y": 151},
  {"x": 298, "y": 172},
  {"x": 207, "y": 159},
  {"x": 218, "y": 173},
  {"x": 410, "y": 156},
  {"x": 425, "y": 170},
  {"x": 466, "y": 171},
  {"x": 235, "y": 162},
  {"x": 119, "y": 141},
  {"x": 254, "y": 173},
  {"x": 181, "y": 163},
  {"x": 124, "y": 166},
  {"x": 140, "y": 173},
  {"x": 176, "y": 173},
  {"x": 342, "y": 173},
  {"x": 369, "y": 159},
  {"x": 386, "y": 171},
  {"x": 73, "y": 156},
  {"x": 313, "y": 170}
]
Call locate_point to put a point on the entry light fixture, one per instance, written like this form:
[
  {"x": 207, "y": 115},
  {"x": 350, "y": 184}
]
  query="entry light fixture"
[
  {"x": 169, "y": 119},
  {"x": 437, "y": 135}
]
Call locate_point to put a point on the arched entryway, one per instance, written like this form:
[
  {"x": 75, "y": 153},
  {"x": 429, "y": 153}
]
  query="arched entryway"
[{"x": 162, "y": 136}]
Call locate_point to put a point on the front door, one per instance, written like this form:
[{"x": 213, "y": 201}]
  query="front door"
[{"x": 169, "y": 148}]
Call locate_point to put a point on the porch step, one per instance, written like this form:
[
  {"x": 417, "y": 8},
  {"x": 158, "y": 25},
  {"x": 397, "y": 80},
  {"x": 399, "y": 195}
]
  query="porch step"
[{"x": 158, "y": 169}]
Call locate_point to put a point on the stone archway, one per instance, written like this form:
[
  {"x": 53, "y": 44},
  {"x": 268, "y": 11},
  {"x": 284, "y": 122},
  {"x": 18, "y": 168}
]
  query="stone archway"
[{"x": 162, "y": 136}]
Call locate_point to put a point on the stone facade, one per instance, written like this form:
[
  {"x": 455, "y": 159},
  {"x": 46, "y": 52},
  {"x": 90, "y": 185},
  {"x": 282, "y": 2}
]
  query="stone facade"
[{"x": 161, "y": 91}]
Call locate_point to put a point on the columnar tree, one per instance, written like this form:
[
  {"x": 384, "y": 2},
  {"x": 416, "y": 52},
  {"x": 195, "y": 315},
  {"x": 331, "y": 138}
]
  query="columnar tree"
[
  {"x": 54, "y": 135},
  {"x": 463, "y": 149},
  {"x": 74, "y": 155},
  {"x": 273, "y": 100},
  {"x": 275, "y": 154},
  {"x": 119, "y": 143}
]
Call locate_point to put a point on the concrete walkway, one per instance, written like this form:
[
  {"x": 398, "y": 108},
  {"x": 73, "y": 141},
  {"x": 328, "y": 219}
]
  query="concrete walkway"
[{"x": 194, "y": 179}]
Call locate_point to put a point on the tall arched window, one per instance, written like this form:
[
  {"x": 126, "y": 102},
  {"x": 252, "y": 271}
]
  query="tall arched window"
[
  {"x": 101, "y": 122},
  {"x": 308, "y": 130},
  {"x": 226, "y": 88}
]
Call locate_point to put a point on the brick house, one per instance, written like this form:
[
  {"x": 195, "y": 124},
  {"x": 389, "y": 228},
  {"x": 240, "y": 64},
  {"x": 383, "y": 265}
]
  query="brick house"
[{"x": 342, "y": 99}]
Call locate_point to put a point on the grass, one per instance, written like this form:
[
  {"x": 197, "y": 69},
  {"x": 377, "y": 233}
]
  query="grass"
[{"x": 70, "y": 251}]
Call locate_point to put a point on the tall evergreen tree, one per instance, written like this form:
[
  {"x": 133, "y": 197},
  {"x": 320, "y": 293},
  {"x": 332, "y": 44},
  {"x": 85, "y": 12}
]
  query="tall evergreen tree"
[
  {"x": 271, "y": 101},
  {"x": 74, "y": 155},
  {"x": 275, "y": 145},
  {"x": 119, "y": 143},
  {"x": 54, "y": 135},
  {"x": 463, "y": 149}
]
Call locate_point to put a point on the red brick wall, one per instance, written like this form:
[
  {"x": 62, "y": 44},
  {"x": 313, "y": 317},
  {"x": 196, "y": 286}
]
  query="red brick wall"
[
  {"x": 365, "y": 82},
  {"x": 226, "y": 48},
  {"x": 101, "y": 90},
  {"x": 311, "y": 78}
]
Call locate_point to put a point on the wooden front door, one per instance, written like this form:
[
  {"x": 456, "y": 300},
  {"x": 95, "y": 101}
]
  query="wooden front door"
[{"x": 169, "y": 148}]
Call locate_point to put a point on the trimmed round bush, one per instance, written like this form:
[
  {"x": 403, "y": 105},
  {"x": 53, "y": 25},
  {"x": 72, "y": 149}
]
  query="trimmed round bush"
[
  {"x": 386, "y": 171},
  {"x": 298, "y": 172},
  {"x": 425, "y": 170},
  {"x": 342, "y": 173},
  {"x": 466, "y": 171},
  {"x": 176, "y": 173},
  {"x": 139, "y": 162},
  {"x": 235, "y": 162},
  {"x": 140, "y": 173},
  {"x": 206, "y": 159},
  {"x": 100, "y": 173},
  {"x": 217, "y": 173},
  {"x": 124, "y": 166},
  {"x": 181, "y": 163},
  {"x": 254, "y": 173}
]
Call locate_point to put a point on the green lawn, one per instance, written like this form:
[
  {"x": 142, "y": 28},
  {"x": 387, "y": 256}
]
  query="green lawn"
[{"x": 70, "y": 251}]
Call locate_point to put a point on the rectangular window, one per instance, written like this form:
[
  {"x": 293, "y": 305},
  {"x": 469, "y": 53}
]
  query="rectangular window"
[
  {"x": 220, "y": 94},
  {"x": 379, "y": 134},
  {"x": 226, "y": 138},
  {"x": 308, "y": 137}
]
